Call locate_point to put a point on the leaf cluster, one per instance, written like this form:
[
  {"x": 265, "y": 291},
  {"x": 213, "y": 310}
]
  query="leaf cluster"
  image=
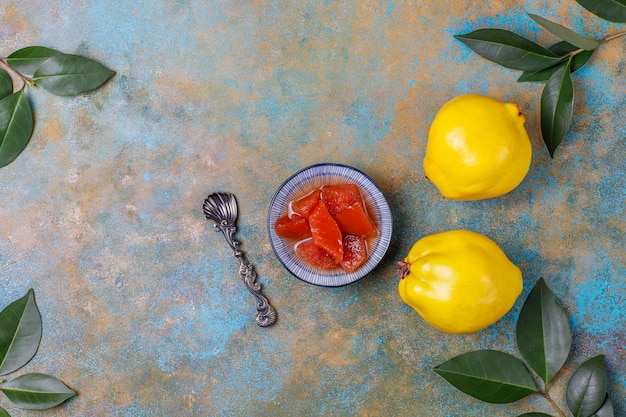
[
  {"x": 544, "y": 340},
  {"x": 552, "y": 65},
  {"x": 20, "y": 335},
  {"x": 58, "y": 73}
]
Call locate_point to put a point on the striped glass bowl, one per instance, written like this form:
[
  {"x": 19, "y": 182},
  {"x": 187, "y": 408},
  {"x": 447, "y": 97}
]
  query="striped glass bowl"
[{"x": 305, "y": 181}]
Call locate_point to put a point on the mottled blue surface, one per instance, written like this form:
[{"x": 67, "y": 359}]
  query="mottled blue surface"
[{"x": 143, "y": 312}]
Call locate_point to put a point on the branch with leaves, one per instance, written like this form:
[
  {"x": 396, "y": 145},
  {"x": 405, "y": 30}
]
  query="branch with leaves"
[
  {"x": 36, "y": 66},
  {"x": 544, "y": 339},
  {"x": 20, "y": 335},
  {"x": 553, "y": 65}
]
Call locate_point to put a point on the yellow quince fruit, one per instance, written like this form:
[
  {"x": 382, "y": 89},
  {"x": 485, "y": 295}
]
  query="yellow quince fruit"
[
  {"x": 477, "y": 148},
  {"x": 459, "y": 281}
]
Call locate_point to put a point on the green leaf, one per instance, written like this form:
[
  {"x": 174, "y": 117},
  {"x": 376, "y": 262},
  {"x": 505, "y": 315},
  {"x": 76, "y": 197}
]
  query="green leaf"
[
  {"x": 509, "y": 49},
  {"x": 70, "y": 75},
  {"x": 4, "y": 413},
  {"x": 543, "y": 333},
  {"x": 6, "y": 85},
  {"x": 489, "y": 375},
  {"x": 586, "y": 390},
  {"x": 606, "y": 410},
  {"x": 613, "y": 10},
  {"x": 36, "y": 391},
  {"x": 20, "y": 333},
  {"x": 16, "y": 126},
  {"x": 566, "y": 34},
  {"x": 27, "y": 60},
  {"x": 557, "y": 103},
  {"x": 561, "y": 48},
  {"x": 535, "y": 415}
]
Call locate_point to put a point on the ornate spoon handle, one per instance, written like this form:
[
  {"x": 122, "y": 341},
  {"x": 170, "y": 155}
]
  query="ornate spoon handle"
[
  {"x": 221, "y": 208},
  {"x": 266, "y": 315}
]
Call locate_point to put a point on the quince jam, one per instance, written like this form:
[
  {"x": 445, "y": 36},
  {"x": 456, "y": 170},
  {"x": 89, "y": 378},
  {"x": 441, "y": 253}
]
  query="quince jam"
[{"x": 330, "y": 227}]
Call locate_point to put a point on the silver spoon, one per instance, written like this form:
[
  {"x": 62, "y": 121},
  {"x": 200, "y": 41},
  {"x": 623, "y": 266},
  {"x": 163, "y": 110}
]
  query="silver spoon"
[{"x": 221, "y": 208}]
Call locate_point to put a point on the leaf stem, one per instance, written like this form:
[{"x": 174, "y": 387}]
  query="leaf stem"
[
  {"x": 610, "y": 38},
  {"x": 546, "y": 395},
  {"x": 24, "y": 80},
  {"x": 602, "y": 41}
]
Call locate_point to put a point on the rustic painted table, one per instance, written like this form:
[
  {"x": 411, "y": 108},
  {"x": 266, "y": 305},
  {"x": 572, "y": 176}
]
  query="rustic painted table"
[{"x": 143, "y": 311}]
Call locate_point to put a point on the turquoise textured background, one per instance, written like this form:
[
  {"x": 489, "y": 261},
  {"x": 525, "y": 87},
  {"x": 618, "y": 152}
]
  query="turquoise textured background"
[{"x": 143, "y": 312}]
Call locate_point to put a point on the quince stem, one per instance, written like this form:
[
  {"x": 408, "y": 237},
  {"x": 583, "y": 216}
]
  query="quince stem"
[{"x": 403, "y": 269}]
